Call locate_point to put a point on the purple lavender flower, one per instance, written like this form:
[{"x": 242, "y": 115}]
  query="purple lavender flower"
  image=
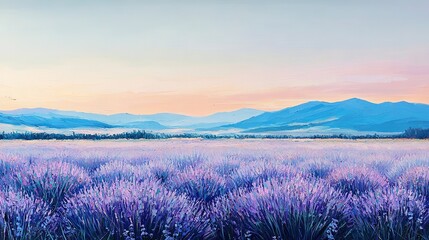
[
  {"x": 118, "y": 170},
  {"x": 225, "y": 168},
  {"x": 416, "y": 179},
  {"x": 23, "y": 217},
  {"x": 357, "y": 179},
  {"x": 51, "y": 181},
  {"x": 161, "y": 171},
  {"x": 250, "y": 174},
  {"x": 394, "y": 213},
  {"x": 318, "y": 169},
  {"x": 199, "y": 184},
  {"x": 289, "y": 209},
  {"x": 187, "y": 161},
  {"x": 124, "y": 209}
]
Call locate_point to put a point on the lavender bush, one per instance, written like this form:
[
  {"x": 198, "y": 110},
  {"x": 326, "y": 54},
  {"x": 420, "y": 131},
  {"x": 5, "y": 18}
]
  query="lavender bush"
[
  {"x": 130, "y": 210},
  {"x": 318, "y": 169},
  {"x": 357, "y": 179},
  {"x": 417, "y": 179},
  {"x": 187, "y": 161},
  {"x": 250, "y": 174},
  {"x": 161, "y": 171},
  {"x": 291, "y": 209},
  {"x": 118, "y": 170},
  {"x": 51, "y": 181},
  {"x": 199, "y": 184},
  {"x": 395, "y": 213},
  {"x": 23, "y": 217}
]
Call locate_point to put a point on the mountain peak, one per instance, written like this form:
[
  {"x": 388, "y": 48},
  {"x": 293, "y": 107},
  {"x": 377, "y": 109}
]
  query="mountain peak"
[{"x": 354, "y": 100}]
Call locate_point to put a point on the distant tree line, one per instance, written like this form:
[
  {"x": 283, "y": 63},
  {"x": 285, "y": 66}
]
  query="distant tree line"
[
  {"x": 78, "y": 136},
  {"x": 416, "y": 133}
]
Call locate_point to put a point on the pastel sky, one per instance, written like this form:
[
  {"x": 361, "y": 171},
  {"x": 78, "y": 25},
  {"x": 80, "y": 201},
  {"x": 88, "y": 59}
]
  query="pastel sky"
[{"x": 200, "y": 57}]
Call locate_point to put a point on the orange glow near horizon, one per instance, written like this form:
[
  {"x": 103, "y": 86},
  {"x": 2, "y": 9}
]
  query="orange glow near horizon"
[{"x": 377, "y": 82}]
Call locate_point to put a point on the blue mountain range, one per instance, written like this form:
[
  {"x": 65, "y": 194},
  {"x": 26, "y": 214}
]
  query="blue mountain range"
[
  {"x": 57, "y": 119},
  {"x": 51, "y": 122},
  {"x": 352, "y": 115}
]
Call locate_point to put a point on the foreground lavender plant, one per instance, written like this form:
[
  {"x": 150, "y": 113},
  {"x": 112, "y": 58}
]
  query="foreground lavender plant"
[
  {"x": 23, "y": 217},
  {"x": 52, "y": 182},
  {"x": 9, "y": 164},
  {"x": 292, "y": 209},
  {"x": 130, "y": 210},
  {"x": 417, "y": 179},
  {"x": 389, "y": 214}
]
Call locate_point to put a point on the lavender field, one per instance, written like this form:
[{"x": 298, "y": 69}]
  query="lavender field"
[{"x": 219, "y": 189}]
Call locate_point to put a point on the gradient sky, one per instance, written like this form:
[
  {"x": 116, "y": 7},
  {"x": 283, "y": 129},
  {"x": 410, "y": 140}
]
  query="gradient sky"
[{"x": 200, "y": 57}]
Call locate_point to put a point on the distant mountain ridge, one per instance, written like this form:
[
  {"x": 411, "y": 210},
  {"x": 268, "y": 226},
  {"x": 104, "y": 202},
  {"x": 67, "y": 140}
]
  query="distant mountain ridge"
[
  {"x": 57, "y": 119},
  {"x": 349, "y": 116},
  {"x": 52, "y": 122},
  {"x": 352, "y": 114}
]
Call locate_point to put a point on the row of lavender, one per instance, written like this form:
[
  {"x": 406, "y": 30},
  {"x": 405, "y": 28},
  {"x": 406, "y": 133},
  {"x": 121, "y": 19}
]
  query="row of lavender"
[{"x": 214, "y": 190}]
